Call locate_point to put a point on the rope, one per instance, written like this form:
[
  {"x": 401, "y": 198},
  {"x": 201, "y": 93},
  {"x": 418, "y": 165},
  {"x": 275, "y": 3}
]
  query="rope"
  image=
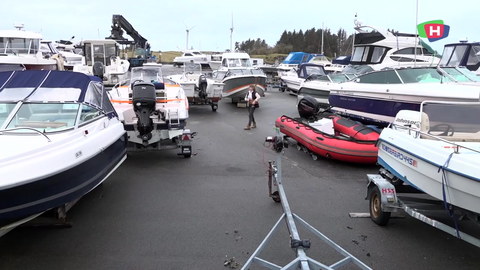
[{"x": 444, "y": 183}]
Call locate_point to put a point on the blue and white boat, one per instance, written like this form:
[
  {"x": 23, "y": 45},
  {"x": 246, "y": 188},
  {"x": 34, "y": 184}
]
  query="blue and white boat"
[
  {"x": 443, "y": 135},
  {"x": 462, "y": 54},
  {"x": 60, "y": 138},
  {"x": 293, "y": 60},
  {"x": 378, "y": 96}
]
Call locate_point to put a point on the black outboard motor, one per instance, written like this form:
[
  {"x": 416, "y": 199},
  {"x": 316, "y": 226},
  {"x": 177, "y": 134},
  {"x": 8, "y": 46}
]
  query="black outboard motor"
[
  {"x": 98, "y": 69},
  {"x": 202, "y": 86},
  {"x": 144, "y": 99},
  {"x": 308, "y": 107}
]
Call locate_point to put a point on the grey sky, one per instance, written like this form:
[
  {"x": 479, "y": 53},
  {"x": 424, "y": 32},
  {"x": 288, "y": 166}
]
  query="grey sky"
[{"x": 162, "y": 22}]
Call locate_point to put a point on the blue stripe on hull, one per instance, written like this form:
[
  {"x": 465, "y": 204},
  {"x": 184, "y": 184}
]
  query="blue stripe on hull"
[
  {"x": 23, "y": 201},
  {"x": 388, "y": 108}
]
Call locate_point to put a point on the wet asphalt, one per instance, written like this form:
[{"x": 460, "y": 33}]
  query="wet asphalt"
[{"x": 162, "y": 211}]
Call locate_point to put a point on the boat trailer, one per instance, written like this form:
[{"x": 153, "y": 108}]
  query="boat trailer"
[
  {"x": 385, "y": 197},
  {"x": 302, "y": 261}
]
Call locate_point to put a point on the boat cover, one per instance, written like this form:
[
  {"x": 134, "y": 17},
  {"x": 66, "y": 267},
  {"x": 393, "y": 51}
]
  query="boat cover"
[
  {"x": 55, "y": 86},
  {"x": 342, "y": 60}
]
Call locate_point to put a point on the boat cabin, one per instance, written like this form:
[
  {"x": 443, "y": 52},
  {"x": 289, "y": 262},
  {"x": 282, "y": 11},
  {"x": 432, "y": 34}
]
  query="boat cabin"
[
  {"x": 462, "y": 54},
  {"x": 236, "y": 61},
  {"x": 191, "y": 53},
  {"x": 19, "y": 42},
  {"x": 101, "y": 50},
  {"x": 307, "y": 70}
]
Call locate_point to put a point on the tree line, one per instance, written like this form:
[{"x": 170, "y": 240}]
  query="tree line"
[{"x": 310, "y": 41}]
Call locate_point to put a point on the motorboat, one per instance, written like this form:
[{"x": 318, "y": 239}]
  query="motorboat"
[
  {"x": 463, "y": 54},
  {"x": 378, "y": 96},
  {"x": 436, "y": 150},
  {"x": 237, "y": 74},
  {"x": 20, "y": 50},
  {"x": 292, "y": 60},
  {"x": 101, "y": 58},
  {"x": 60, "y": 138},
  {"x": 153, "y": 110},
  {"x": 318, "y": 87},
  {"x": 215, "y": 61},
  {"x": 294, "y": 78},
  {"x": 49, "y": 48},
  {"x": 198, "y": 88},
  {"x": 194, "y": 55}
]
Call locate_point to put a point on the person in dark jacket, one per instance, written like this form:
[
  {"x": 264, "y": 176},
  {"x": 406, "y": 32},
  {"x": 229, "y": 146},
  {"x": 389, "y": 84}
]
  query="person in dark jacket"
[{"x": 251, "y": 98}]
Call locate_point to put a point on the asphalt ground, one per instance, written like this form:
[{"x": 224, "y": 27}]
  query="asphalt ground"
[{"x": 162, "y": 211}]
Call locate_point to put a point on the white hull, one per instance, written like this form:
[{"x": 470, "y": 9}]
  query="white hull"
[
  {"x": 421, "y": 170},
  {"x": 215, "y": 65},
  {"x": 189, "y": 82}
]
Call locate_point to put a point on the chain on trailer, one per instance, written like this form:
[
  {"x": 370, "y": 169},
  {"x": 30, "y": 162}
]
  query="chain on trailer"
[{"x": 302, "y": 261}]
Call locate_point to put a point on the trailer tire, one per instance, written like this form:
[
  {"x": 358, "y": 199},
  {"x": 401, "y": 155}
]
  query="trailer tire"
[
  {"x": 276, "y": 197},
  {"x": 376, "y": 214},
  {"x": 187, "y": 155}
]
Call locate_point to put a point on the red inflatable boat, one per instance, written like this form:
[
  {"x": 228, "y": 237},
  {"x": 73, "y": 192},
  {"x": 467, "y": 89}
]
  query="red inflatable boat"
[{"x": 351, "y": 142}]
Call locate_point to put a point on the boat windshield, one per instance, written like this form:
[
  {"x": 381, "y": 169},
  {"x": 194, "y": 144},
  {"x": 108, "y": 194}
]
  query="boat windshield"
[
  {"x": 357, "y": 69},
  {"x": 462, "y": 74},
  {"x": 146, "y": 74},
  {"x": 46, "y": 117},
  {"x": 239, "y": 72},
  {"x": 422, "y": 75},
  {"x": 192, "y": 68},
  {"x": 236, "y": 62},
  {"x": 19, "y": 45},
  {"x": 460, "y": 118}
]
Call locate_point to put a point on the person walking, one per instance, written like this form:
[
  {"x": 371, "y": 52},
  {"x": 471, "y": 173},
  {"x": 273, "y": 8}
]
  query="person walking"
[{"x": 252, "y": 98}]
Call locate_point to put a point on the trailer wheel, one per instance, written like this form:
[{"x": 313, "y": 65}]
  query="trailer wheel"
[
  {"x": 187, "y": 155},
  {"x": 299, "y": 147},
  {"x": 214, "y": 108},
  {"x": 376, "y": 214},
  {"x": 314, "y": 157},
  {"x": 276, "y": 197}
]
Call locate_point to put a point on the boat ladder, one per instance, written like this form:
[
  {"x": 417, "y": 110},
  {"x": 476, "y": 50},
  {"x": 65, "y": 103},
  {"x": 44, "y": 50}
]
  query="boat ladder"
[{"x": 173, "y": 118}]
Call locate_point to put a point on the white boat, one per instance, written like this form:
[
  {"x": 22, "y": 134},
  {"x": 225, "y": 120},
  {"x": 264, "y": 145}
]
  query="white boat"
[
  {"x": 215, "y": 61},
  {"x": 296, "y": 76},
  {"x": 198, "y": 88},
  {"x": 101, "y": 58},
  {"x": 462, "y": 54},
  {"x": 20, "y": 50},
  {"x": 154, "y": 112},
  {"x": 377, "y": 97},
  {"x": 60, "y": 138},
  {"x": 49, "y": 48},
  {"x": 189, "y": 55},
  {"x": 237, "y": 73},
  {"x": 437, "y": 151},
  {"x": 318, "y": 87}
]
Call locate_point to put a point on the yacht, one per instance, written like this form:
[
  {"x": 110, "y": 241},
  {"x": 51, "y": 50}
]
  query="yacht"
[
  {"x": 49, "y": 48},
  {"x": 377, "y": 97},
  {"x": 20, "y": 49},
  {"x": 237, "y": 74}
]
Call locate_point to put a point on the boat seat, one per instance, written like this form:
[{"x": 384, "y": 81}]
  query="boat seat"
[{"x": 68, "y": 118}]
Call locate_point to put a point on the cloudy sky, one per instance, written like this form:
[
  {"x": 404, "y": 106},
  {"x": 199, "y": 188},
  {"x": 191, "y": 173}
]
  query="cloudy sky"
[{"x": 162, "y": 22}]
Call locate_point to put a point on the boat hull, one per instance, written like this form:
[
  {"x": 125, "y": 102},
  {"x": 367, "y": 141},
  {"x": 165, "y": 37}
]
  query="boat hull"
[
  {"x": 320, "y": 95},
  {"x": 293, "y": 84},
  {"x": 361, "y": 151},
  {"x": 13, "y": 67},
  {"x": 236, "y": 88},
  {"x": 30, "y": 199},
  {"x": 401, "y": 156}
]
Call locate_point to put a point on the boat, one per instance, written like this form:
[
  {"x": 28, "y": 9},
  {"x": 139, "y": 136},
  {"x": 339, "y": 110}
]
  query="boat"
[
  {"x": 237, "y": 74},
  {"x": 215, "y": 61},
  {"x": 436, "y": 151},
  {"x": 60, "y": 138},
  {"x": 463, "y": 54},
  {"x": 194, "y": 55},
  {"x": 20, "y": 50},
  {"x": 153, "y": 110},
  {"x": 333, "y": 137},
  {"x": 199, "y": 89},
  {"x": 376, "y": 97},
  {"x": 101, "y": 59},
  {"x": 49, "y": 48},
  {"x": 318, "y": 87},
  {"x": 294, "y": 78}
]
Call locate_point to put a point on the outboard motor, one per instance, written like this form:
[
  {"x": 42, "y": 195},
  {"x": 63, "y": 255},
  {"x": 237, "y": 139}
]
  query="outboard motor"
[
  {"x": 98, "y": 69},
  {"x": 144, "y": 101},
  {"x": 202, "y": 86},
  {"x": 308, "y": 107}
]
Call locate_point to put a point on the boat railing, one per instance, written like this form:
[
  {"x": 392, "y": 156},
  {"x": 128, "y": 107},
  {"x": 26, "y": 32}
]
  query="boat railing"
[
  {"x": 419, "y": 134},
  {"x": 20, "y": 128}
]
